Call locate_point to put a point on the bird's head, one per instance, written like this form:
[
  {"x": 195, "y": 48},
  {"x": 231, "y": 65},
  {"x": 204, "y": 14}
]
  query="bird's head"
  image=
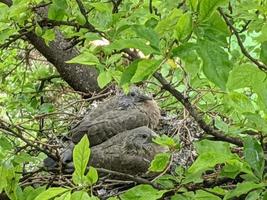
[
  {"x": 140, "y": 142},
  {"x": 137, "y": 95}
]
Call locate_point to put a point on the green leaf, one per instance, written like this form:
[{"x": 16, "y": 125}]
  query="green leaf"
[
  {"x": 234, "y": 167},
  {"x": 104, "y": 78},
  {"x": 57, "y": 10},
  {"x": 254, "y": 155},
  {"x": 81, "y": 154},
  {"x": 80, "y": 195},
  {"x": 142, "y": 192},
  {"x": 210, "y": 154},
  {"x": 160, "y": 162},
  {"x": 46, "y": 108},
  {"x": 92, "y": 176},
  {"x": 243, "y": 188},
  {"x": 85, "y": 58},
  {"x": 239, "y": 102},
  {"x": 147, "y": 34},
  {"x": 263, "y": 53},
  {"x": 49, "y": 35},
  {"x": 255, "y": 121},
  {"x": 249, "y": 76},
  {"x": 31, "y": 193},
  {"x": 145, "y": 68},
  {"x": 51, "y": 193},
  {"x": 167, "y": 141},
  {"x": 216, "y": 64},
  {"x": 167, "y": 24},
  {"x": 5, "y": 144},
  {"x": 183, "y": 27},
  {"x": 65, "y": 196},
  {"x": 207, "y": 7},
  {"x": 128, "y": 73},
  {"x": 130, "y": 43},
  {"x": 246, "y": 75}
]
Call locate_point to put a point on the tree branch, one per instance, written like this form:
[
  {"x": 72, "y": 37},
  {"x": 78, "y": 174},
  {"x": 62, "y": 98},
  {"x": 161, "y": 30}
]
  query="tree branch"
[
  {"x": 194, "y": 113},
  {"x": 260, "y": 65}
]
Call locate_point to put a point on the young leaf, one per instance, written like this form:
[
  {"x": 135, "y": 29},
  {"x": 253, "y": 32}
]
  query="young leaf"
[
  {"x": 104, "y": 78},
  {"x": 160, "y": 162},
  {"x": 142, "y": 192},
  {"x": 92, "y": 176},
  {"x": 80, "y": 195},
  {"x": 167, "y": 141},
  {"x": 50, "y": 193},
  {"x": 81, "y": 154},
  {"x": 65, "y": 196},
  {"x": 85, "y": 58}
]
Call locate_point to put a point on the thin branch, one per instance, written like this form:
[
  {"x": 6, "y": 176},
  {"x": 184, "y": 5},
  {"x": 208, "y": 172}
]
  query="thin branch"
[
  {"x": 189, "y": 107},
  {"x": 11, "y": 132},
  {"x": 128, "y": 176},
  {"x": 260, "y": 65},
  {"x": 194, "y": 113}
]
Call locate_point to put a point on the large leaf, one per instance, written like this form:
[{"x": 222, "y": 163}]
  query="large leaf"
[
  {"x": 145, "y": 68},
  {"x": 184, "y": 26},
  {"x": 243, "y": 188},
  {"x": 128, "y": 73},
  {"x": 142, "y": 192},
  {"x": 85, "y": 58},
  {"x": 245, "y": 76},
  {"x": 167, "y": 24},
  {"x": 249, "y": 76},
  {"x": 57, "y": 10},
  {"x": 50, "y": 193},
  {"x": 207, "y": 7},
  {"x": 254, "y": 155},
  {"x": 216, "y": 64},
  {"x": 210, "y": 154},
  {"x": 81, "y": 154},
  {"x": 148, "y": 34}
]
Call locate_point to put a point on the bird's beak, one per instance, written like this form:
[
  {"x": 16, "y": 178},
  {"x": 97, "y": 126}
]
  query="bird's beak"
[{"x": 145, "y": 97}]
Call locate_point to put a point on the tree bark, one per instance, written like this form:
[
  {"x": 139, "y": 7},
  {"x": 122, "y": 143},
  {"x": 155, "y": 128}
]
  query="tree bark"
[{"x": 80, "y": 77}]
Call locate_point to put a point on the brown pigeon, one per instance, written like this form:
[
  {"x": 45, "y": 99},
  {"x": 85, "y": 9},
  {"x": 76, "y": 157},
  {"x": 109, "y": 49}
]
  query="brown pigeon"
[
  {"x": 128, "y": 152},
  {"x": 117, "y": 114}
]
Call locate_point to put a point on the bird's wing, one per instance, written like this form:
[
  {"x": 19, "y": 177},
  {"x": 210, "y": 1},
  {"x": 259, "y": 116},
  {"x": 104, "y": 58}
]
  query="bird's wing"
[{"x": 109, "y": 124}]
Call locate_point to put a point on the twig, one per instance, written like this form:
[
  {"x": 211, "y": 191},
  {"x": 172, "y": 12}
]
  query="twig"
[
  {"x": 260, "y": 65},
  {"x": 194, "y": 113},
  {"x": 128, "y": 176}
]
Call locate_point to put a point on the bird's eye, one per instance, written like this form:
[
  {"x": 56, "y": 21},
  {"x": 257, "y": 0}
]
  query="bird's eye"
[
  {"x": 132, "y": 94},
  {"x": 144, "y": 136}
]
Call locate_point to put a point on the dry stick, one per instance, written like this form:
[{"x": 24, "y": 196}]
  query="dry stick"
[
  {"x": 193, "y": 112},
  {"x": 240, "y": 43},
  {"x": 128, "y": 176}
]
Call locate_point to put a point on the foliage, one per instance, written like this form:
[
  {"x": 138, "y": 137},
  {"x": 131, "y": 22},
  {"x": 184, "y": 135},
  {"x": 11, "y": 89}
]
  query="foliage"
[{"x": 214, "y": 52}]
